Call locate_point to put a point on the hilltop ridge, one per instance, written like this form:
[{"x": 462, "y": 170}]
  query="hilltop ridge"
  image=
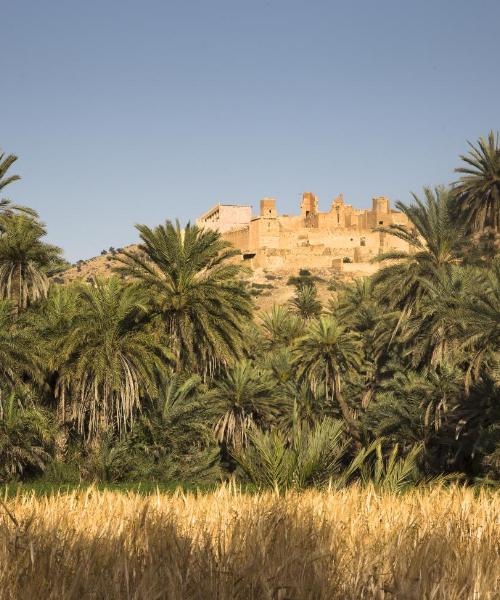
[{"x": 267, "y": 285}]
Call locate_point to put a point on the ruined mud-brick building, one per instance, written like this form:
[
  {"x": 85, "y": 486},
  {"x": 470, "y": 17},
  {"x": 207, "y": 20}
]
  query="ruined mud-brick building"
[{"x": 312, "y": 239}]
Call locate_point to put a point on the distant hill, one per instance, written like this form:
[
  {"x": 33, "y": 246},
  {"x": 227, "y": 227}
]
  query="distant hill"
[{"x": 267, "y": 286}]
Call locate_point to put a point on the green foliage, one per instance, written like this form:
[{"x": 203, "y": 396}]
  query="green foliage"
[
  {"x": 280, "y": 365},
  {"x": 305, "y": 303},
  {"x": 174, "y": 435},
  {"x": 312, "y": 457},
  {"x": 26, "y": 438},
  {"x": 477, "y": 192},
  {"x": 434, "y": 240},
  {"x": 305, "y": 277},
  {"x": 195, "y": 291},
  {"x": 111, "y": 357},
  {"x": 163, "y": 375},
  {"x": 393, "y": 473},
  {"x": 319, "y": 456},
  {"x": 476, "y": 316},
  {"x": 244, "y": 397},
  {"x": 280, "y": 328},
  {"x": 310, "y": 404},
  {"x": 6, "y": 206},
  {"x": 25, "y": 260},
  {"x": 324, "y": 355},
  {"x": 20, "y": 351},
  {"x": 6, "y": 161}
]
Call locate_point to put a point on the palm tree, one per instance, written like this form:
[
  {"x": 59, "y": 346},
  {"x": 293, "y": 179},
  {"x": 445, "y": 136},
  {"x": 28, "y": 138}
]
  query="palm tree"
[
  {"x": 475, "y": 321},
  {"x": 26, "y": 438},
  {"x": 176, "y": 431},
  {"x": 357, "y": 305},
  {"x": 196, "y": 291},
  {"x": 52, "y": 322},
  {"x": 312, "y": 457},
  {"x": 305, "y": 303},
  {"x": 19, "y": 350},
  {"x": 437, "y": 391},
  {"x": 396, "y": 414},
  {"x": 358, "y": 308},
  {"x": 309, "y": 404},
  {"x": 6, "y": 161},
  {"x": 111, "y": 359},
  {"x": 279, "y": 363},
  {"x": 175, "y": 413},
  {"x": 245, "y": 398},
  {"x": 280, "y": 328},
  {"x": 6, "y": 207},
  {"x": 434, "y": 244},
  {"x": 325, "y": 354},
  {"x": 54, "y": 319},
  {"x": 422, "y": 408},
  {"x": 477, "y": 192},
  {"x": 300, "y": 401},
  {"x": 429, "y": 336},
  {"x": 24, "y": 260}
]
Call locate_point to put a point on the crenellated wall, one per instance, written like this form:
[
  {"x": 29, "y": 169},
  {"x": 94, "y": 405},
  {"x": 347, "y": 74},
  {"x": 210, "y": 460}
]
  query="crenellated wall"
[{"x": 311, "y": 239}]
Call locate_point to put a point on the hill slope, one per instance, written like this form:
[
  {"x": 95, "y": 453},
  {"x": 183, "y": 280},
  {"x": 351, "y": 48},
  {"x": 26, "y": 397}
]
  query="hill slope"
[{"x": 267, "y": 286}]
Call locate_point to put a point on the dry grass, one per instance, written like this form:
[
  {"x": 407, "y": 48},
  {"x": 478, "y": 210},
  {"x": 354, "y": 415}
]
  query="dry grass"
[{"x": 353, "y": 544}]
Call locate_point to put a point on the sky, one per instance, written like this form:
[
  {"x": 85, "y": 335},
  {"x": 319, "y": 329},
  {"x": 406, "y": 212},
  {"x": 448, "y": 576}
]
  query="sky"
[{"x": 125, "y": 112}]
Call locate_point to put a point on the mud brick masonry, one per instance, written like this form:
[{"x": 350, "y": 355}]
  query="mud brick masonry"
[{"x": 312, "y": 239}]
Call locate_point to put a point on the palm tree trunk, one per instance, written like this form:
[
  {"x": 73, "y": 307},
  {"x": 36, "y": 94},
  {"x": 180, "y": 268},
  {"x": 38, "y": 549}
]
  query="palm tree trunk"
[
  {"x": 352, "y": 424},
  {"x": 15, "y": 294}
]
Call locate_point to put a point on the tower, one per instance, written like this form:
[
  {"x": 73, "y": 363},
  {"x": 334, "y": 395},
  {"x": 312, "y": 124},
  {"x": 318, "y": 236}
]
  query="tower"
[
  {"x": 338, "y": 211},
  {"x": 380, "y": 211},
  {"x": 309, "y": 204},
  {"x": 380, "y": 205},
  {"x": 268, "y": 208}
]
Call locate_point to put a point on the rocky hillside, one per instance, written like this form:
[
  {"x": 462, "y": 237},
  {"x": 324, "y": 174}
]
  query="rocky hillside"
[{"x": 267, "y": 286}]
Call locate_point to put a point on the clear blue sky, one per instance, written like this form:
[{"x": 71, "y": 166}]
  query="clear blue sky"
[{"x": 124, "y": 112}]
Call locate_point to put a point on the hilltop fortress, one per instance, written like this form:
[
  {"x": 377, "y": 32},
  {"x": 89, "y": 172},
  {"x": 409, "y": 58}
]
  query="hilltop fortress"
[{"x": 339, "y": 238}]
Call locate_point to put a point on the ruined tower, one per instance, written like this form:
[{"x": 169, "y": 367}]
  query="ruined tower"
[
  {"x": 268, "y": 208},
  {"x": 265, "y": 230},
  {"x": 380, "y": 208},
  {"x": 309, "y": 209}
]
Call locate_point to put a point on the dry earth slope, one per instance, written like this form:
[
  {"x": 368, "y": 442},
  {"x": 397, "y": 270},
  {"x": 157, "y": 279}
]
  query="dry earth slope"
[{"x": 267, "y": 286}]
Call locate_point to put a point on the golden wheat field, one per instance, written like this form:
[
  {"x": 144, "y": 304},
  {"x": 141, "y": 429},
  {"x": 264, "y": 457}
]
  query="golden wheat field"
[{"x": 350, "y": 544}]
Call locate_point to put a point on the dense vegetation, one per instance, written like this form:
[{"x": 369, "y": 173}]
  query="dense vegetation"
[{"x": 164, "y": 371}]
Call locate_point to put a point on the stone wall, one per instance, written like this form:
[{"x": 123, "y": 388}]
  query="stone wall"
[
  {"x": 239, "y": 238},
  {"x": 310, "y": 239},
  {"x": 225, "y": 217}
]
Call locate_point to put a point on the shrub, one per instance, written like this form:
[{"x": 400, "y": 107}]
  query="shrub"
[
  {"x": 27, "y": 439},
  {"x": 305, "y": 302},
  {"x": 304, "y": 278},
  {"x": 262, "y": 286},
  {"x": 312, "y": 457}
]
